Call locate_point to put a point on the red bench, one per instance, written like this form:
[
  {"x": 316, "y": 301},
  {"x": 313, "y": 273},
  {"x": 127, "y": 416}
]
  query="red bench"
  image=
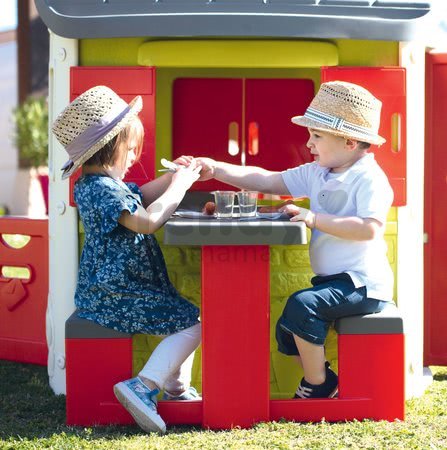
[{"x": 371, "y": 376}]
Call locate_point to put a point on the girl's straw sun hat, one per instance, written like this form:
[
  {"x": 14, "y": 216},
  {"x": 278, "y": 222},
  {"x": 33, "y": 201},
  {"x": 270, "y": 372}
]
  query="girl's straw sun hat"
[
  {"x": 91, "y": 121},
  {"x": 346, "y": 110}
]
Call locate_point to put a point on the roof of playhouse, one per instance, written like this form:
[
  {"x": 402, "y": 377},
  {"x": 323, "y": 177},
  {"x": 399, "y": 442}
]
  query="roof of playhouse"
[{"x": 395, "y": 20}]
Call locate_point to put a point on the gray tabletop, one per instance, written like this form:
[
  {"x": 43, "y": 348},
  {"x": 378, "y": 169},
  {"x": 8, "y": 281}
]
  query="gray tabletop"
[{"x": 211, "y": 231}]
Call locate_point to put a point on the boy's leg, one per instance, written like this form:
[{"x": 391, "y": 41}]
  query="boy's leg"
[
  {"x": 312, "y": 360},
  {"x": 304, "y": 324}
]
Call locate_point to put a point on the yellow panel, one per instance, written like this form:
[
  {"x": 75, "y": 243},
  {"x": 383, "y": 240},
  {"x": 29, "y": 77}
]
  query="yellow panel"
[
  {"x": 109, "y": 52},
  {"x": 367, "y": 53},
  {"x": 349, "y": 52},
  {"x": 237, "y": 53}
]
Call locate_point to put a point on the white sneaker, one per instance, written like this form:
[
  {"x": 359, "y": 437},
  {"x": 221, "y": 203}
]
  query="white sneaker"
[{"x": 141, "y": 403}]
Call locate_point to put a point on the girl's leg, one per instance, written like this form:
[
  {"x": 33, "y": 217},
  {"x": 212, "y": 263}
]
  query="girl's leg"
[
  {"x": 164, "y": 368},
  {"x": 180, "y": 380}
]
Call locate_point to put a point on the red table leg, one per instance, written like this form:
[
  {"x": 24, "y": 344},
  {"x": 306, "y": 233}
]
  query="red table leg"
[{"x": 236, "y": 352}]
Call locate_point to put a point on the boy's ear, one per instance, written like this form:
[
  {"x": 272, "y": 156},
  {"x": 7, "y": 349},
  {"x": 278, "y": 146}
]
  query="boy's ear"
[{"x": 351, "y": 144}]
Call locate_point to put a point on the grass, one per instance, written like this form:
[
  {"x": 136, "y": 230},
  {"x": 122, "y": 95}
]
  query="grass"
[{"x": 32, "y": 417}]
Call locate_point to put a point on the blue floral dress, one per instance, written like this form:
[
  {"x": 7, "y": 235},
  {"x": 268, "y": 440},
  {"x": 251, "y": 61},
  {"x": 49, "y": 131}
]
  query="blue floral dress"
[{"x": 123, "y": 282}]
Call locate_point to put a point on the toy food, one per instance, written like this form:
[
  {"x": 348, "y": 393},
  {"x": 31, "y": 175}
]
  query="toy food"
[{"x": 209, "y": 208}]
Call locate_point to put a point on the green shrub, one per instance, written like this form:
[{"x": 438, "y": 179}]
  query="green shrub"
[{"x": 31, "y": 136}]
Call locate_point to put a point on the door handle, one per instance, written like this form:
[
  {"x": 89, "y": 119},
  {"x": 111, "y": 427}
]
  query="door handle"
[
  {"x": 396, "y": 133},
  {"x": 233, "y": 138},
  {"x": 253, "y": 138}
]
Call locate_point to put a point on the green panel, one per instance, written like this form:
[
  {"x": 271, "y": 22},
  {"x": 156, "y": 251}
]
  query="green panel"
[{"x": 237, "y": 53}]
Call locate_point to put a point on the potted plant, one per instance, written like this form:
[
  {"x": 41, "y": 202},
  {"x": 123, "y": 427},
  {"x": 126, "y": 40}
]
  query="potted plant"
[{"x": 31, "y": 139}]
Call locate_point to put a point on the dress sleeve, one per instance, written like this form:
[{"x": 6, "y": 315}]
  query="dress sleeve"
[
  {"x": 135, "y": 189},
  {"x": 112, "y": 202}
]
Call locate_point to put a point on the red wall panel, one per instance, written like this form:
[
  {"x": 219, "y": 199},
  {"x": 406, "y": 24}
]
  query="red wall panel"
[
  {"x": 204, "y": 108},
  {"x": 435, "y": 250},
  {"x": 127, "y": 82},
  {"x": 388, "y": 85}
]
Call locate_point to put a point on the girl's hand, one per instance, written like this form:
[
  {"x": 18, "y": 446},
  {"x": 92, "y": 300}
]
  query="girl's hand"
[
  {"x": 208, "y": 168},
  {"x": 185, "y": 176}
]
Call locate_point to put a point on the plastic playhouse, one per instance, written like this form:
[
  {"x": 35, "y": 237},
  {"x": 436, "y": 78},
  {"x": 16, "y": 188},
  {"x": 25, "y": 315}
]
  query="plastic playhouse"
[{"x": 223, "y": 79}]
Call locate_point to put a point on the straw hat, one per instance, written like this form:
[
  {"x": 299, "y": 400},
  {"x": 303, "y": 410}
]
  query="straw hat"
[
  {"x": 89, "y": 122},
  {"x": 344, "y": 109}
]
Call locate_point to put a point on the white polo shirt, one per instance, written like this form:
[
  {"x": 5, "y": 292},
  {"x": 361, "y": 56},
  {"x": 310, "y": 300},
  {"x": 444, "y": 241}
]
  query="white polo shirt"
[{"x": 363, "y": 191}]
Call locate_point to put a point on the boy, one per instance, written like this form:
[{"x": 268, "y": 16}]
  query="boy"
[{"x": 349, "y": 201}]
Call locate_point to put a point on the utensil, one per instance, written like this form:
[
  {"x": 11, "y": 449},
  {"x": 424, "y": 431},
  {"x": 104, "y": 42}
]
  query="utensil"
[{"x": 169, "y": 165}]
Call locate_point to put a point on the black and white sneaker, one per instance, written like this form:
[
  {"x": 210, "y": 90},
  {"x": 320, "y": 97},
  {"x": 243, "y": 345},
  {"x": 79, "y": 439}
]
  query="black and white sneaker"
[{"x": 328, "y": 389}]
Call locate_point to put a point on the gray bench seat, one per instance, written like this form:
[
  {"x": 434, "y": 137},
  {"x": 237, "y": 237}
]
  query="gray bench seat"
[
  {"x": 79, "y": 328},
  {"x": 388, "y": 321}
]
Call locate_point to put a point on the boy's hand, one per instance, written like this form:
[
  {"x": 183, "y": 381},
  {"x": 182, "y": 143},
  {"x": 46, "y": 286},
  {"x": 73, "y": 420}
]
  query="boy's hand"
[
  {"x": 300, "y": 215},
  {"x": 208, "y": 168},
  {"x": 183, "y": 160}
]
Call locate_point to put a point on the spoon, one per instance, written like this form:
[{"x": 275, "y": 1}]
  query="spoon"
[{"x": 169, "y": 165}]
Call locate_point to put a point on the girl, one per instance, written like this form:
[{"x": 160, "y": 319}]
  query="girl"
[{"x": 123, "y": 283}]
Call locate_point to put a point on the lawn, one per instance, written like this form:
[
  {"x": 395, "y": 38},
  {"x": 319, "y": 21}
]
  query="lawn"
[{"x": 31, "y": 417}]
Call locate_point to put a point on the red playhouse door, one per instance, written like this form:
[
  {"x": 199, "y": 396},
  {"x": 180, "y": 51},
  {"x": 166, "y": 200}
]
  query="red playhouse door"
[
  {"x": 272, "y": 140},
  {"x": 435, "y": 301},
  {"x": 127, "y": 82},
  {"x": 207, "y": 114},
  {"x": 388, "y": 85},
  {"x": 228, "y": 118}
]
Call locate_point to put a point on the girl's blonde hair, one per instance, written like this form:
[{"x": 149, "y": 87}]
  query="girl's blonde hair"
[{"x": 107, "y": 155}]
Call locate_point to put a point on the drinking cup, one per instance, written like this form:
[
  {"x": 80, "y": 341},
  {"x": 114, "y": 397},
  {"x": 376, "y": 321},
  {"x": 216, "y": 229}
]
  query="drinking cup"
[
  {"x": 224, "y": 204},
  {"x": 248, "y": 201}
]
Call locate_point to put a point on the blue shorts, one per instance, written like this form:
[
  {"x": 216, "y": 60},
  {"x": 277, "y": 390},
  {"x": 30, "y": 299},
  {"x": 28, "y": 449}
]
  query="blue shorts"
[{"x": 309, "y": 313}]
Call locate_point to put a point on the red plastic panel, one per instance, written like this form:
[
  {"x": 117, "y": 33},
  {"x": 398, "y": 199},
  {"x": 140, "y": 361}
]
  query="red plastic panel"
[
  {"x": 93, "y": 367},
  {"x": 373, "y": 366},
  {"x": 373, "y": 393},
  {"x": 388, "y": 85},
  {"x": 127, "y": 82},
  {"x": 435, "y": 301},
  {"x": 236, "y": 351},
  {"x": 181, "y": 413},
  {"x": 204, "y": 108},
  {"x": 23, "y": 302},
  {"x": 271, "y": 103}
]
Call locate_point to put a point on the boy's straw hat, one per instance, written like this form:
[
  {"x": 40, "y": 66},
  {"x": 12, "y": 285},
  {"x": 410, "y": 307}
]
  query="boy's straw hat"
[
  {"x": 89, "y": 122},
  {"x": 344, "y": 109}
]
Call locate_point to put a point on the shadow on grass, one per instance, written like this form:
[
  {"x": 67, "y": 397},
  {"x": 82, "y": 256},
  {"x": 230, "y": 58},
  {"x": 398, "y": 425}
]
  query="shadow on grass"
[
  {"x": 442, "y": 376},
  {"x": 29, "y": 409}
]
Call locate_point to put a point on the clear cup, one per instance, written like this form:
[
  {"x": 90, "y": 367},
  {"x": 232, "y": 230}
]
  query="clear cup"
[
  {"x": 224, "y": 204},
  {"x": 248, "y": 201}
]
